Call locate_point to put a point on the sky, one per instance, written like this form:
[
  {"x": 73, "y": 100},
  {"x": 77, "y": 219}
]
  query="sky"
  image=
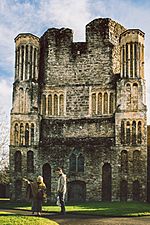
[{"x": 36, "y": 16}]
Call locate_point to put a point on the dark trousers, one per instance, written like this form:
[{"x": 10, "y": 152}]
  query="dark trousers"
[{"x": 62, "y": 201}]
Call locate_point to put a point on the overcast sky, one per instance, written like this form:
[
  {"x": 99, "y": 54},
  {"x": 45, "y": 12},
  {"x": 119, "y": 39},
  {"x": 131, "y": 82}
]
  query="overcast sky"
[{"x": 36, "y": 16}]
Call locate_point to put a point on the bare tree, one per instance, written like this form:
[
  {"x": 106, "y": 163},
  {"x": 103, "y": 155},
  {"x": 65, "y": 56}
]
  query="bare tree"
[{"x": 4, "y": 140}]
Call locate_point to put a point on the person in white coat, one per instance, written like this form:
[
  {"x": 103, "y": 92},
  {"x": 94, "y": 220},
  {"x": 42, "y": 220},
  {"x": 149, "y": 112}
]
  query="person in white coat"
[{"x": 61, "y": 189}]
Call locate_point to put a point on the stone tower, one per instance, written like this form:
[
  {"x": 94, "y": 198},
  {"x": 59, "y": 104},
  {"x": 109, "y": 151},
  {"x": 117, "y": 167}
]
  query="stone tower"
[{"x": 81, "y": 106}]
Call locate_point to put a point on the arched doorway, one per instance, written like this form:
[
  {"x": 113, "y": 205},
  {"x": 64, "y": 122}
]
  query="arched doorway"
[
  {"x": 136, "y": 190},
  {"x": 123, "y": 190},
  {"x": 18, "y": 189},
  {"x": 106, "y": 182},
  {"x": 2, "y": 190},
  {"x": 46, "y": 171},
  {"x": 76, "y": 191}
]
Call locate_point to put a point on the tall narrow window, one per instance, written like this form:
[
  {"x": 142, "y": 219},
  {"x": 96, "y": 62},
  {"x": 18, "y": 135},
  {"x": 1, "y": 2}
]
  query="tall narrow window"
[
  {"x": 21, "y": 100},
  {"x": 127, "y": 75},
  {"x": 135, "y": 59},
  {"x": 122, "y": 136},
  {"x": 124, "y": 161},
  {"x": 128, "y": 96},
  {"x": 134, "y": 133},
  {"x": 105, "y": 103},
  {"x": 26, "y": 63},
  {"x": 94, "y": 104},
  {"x": 18, "y": 161},
  {"x": 61, "y": 105},
  {"x": 27, "y": 134},
  {"x": 55, "y": 105},
  {"x": 136, "y": 162},
  {"x": 34, "y": 63},
  {"x": 135, "y": 97},
  {"x": 22, "y": 62},
  {"x": 30, "y": 162},
  {"x": 32, "y": 134},
  {"x": 111, "y": 103},
  {"x": 43, "y": 105},
  {"x": 131, "y": 59},
  {"x": 50, "y": 105},
  {"x": 80, "y": 163},
  {"x": 31, "y": 58},
  {"x": 21, "y": 134},
  {"x": 72, "y": 163},
  {"x": 100, "y": 103},
  {"x": 16, "y": 134},
  {"x": 139, "y": 136},
  {"x": 128, "y": 132}
]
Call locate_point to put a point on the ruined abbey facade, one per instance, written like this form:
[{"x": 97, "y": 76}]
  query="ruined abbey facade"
[{"x": 81, "y": 106}]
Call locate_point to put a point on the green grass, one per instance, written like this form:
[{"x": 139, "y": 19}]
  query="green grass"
[
  {"x": 25, "y": 220},
  {"x": 92, "y": 208}
]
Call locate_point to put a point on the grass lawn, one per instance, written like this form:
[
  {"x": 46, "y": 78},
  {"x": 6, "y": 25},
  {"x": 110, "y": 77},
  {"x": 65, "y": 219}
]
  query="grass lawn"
[
  {"x": 25, "y": 220},
  {"x": 93, "y": 208}
]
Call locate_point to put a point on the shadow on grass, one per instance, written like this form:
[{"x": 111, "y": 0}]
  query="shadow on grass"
[{"x": 113, "y": 209}]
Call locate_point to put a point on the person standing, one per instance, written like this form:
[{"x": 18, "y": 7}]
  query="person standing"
[
  {"x": 36, "y": 192},
  {"x": 61, "y": 189}
]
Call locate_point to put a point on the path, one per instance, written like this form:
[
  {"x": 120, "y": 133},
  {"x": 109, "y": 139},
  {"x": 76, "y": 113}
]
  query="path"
[{"x": 76, "y": 219}]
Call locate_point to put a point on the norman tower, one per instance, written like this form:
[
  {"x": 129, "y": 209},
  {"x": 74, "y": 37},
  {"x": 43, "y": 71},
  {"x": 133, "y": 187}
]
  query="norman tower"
[{"x": 81, "y": 106}]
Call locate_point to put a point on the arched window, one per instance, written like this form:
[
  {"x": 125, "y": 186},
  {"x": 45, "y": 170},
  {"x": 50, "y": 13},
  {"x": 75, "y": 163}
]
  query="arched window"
[
  {"x": 128, "y": 132},
  {"x": 21, "y": 134},
  {"x": 32, "y": 134},
  {"x": 26, "y": 63},
  {"x": 124, "y": 161},
  {"x": 94, "y": 104},
  {"x": 126, "y": 49},
  {"x": 111, "y": 103},
  {"x": 27, "y": 134},
  {"x": 31, "y": 53},
  {"x": 34, "y": 63},
  {"x": 139, "y": 136},
  {"x": 105, "y": 103},
  {"x": 21, "y": 100},
  {"x": 61, "y": 105},
  {"x": 135, "y": 96},
  {"x": 16, "y": 134},
  {"x": 134, "y": 133},
  {"x": 18, "y": 161},
  {"x": 99, "y": 103},
  {"x": 72, "y": 163},
  {"x": 128, "y": 96},
  {"x": 122, "y": 136},
  {"x": 80, "y": 163},
  {"x": 30, "y": 162},
  {"x": 43, "y": 105},
  {"x": 22, "y": 62},
  {"x": 50, "y": 105},
  {"x": 55, "y": 105},
  {"x": 136, "y": 162},
  {"x": 26, "y": 102}
]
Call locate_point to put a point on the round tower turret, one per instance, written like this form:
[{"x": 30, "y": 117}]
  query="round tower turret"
[
  {"x": 27, "y": 51},
  {"x": 132, "y": 53}
]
